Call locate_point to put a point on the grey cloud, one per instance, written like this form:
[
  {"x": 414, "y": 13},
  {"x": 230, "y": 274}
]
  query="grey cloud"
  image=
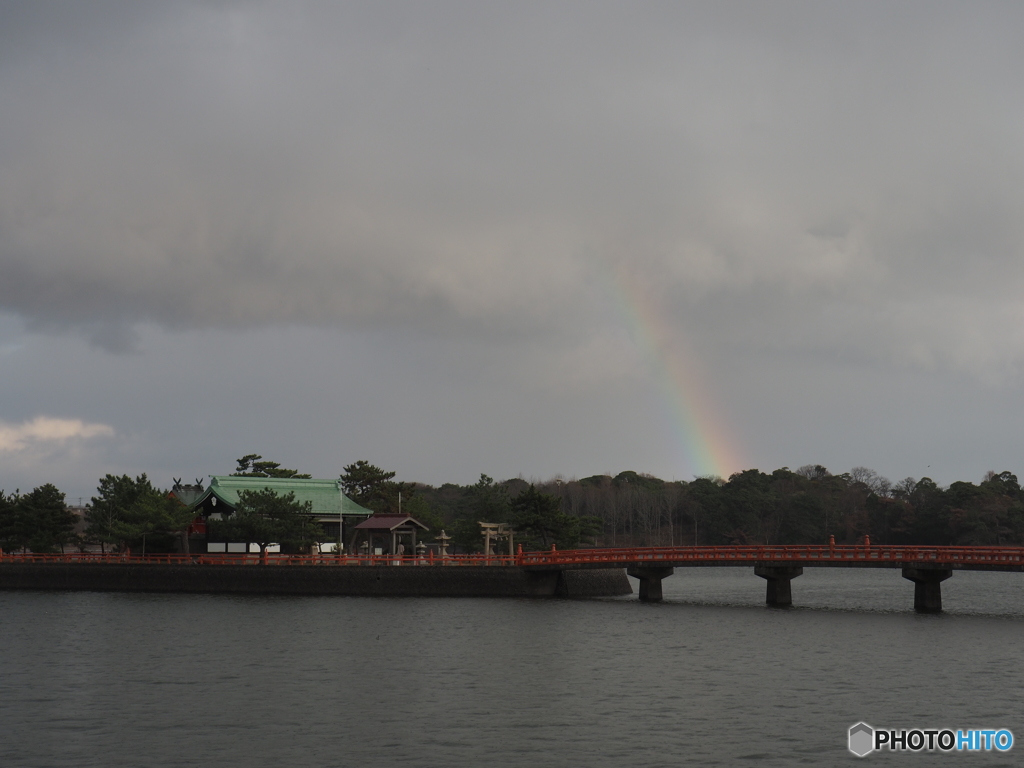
[{"x": 796, "y": 176}]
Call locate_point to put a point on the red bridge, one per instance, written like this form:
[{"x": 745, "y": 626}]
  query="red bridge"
[{"x": 926, "y": 566}]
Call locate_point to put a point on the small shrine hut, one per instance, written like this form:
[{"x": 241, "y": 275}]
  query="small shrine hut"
[{"x": 391, "y": 528}]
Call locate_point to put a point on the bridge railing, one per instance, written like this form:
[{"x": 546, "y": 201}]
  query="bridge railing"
[
  {"x": 613, "y": 557},
  {"x": 788, "y": 553},
  {"x": 254, "y": 558}
]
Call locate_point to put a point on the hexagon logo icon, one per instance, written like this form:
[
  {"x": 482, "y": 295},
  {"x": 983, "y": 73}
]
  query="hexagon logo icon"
[{"x": 862, "y": 739}]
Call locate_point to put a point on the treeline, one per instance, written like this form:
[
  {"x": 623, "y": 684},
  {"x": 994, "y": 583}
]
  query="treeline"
[
  {"x": 126, "y": 512},
  {"x": 752, "y": 507},
  {"x": 630, "y": 509},
  {"x": 129, "y": 514}
]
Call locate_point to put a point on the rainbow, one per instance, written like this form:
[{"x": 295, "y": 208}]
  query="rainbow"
[{"x": 705, "y": 441}]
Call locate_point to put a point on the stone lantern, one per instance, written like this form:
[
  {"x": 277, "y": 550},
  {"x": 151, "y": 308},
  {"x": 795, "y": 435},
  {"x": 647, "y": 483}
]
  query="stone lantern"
[{"x": 444, "y": 538}]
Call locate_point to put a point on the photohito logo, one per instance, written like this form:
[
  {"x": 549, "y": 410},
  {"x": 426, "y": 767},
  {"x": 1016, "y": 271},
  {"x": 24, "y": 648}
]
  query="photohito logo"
[{"x": 863, "y": 740}]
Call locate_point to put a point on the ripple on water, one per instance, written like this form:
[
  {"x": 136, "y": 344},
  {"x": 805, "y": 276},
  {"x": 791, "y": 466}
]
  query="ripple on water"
[{"x": 710, "y": 676}]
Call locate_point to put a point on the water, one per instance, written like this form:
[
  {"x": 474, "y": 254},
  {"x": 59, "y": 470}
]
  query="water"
[{"x": 708, "y": 677}]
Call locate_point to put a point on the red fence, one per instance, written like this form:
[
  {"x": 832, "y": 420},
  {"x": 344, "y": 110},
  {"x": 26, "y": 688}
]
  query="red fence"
[
  {"x": 796, "y": 554},
  {"x": 253, "y": 558},
  {"x": 733, "y": 555}
]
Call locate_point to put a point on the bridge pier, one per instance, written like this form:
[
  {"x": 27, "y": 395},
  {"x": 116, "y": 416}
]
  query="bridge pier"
[
  {"x": 927, "y": 587},
  {"x": 779, "y": 578},
  {"x": 650, "y": 581}
]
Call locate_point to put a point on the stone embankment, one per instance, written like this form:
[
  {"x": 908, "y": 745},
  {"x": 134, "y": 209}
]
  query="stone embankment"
[{"x": 362, "y": 581}]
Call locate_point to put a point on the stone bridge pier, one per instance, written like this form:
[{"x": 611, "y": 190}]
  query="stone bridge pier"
[
  {"x": 650, "y": 580},
  {"x": 779, "y": 578},
  {"x": 927, "y": 587}
]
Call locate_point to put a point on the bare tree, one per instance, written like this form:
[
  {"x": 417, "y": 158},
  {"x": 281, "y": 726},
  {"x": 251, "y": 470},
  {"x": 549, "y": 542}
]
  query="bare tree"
[
  {"x": 863, "y": 475},
  {"x": 905, "y": 487},
  {"x": 813, "y": 471}
]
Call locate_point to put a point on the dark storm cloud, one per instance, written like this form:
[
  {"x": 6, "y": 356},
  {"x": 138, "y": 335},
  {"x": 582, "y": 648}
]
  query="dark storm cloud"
[
  {"x": 791, "y": 176},
  {"x": 411, "y": 232}
]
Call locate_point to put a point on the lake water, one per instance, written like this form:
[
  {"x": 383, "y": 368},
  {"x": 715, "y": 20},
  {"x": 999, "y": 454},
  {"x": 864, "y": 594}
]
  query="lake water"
[{"x": 708, "y": 677}]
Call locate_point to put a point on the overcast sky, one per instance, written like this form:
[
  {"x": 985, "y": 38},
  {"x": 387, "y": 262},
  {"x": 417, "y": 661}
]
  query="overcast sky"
[{"x": 511, "y": 238}]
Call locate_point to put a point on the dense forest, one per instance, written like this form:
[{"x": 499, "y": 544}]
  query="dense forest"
[
  {"x": 752, "y": 507},
  {"x": 805, "y": 506}
]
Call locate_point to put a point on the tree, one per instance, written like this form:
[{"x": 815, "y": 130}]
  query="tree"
[
  {"x": 484, "y": 502},
  {"x": 266, "y": 517},
  {"x": 904, "y": 488},
  {"x": 14, "y": 533},
  {"x": 422, "y": 510},
  {"x": 154, "y": 514},
  {"x": 253, "y": 465},
  {"x": 489, "y": 501},
  {"x": 706, "y": 504},
  {"x": 932, "y": 513},
  {"x": 38, "y": 521},
  {"x": 48, "y": 522},
  {"x": 1004, "y": 482},
  {"x": 115, "y": 496},
  {"x": 813, "y": 471},
  {"x": 126, "y": 511},
  {"x": 540, "y": 516},
  {"x": 372, "y": 487}
]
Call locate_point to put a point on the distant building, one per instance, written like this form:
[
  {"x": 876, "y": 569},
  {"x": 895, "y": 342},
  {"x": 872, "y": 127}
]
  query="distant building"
[
  {"x": 187, "y": 494},
  {"x": 336, "y": 513}
]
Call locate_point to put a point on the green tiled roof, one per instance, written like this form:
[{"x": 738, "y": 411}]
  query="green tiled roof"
[{"x": 325, "y": 496}]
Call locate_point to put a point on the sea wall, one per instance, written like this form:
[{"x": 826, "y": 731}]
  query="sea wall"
[
  {"x": 355, "y": 580},
  {"x": 602, "y": 582}
]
